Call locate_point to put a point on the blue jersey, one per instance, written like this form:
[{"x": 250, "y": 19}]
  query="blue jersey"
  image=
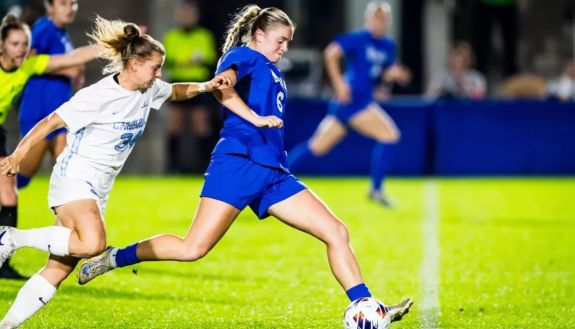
[
  {"x": 366, "y": 57},
  {"x": 262, "y": 87},
  {"x": 44, "y": 94}
]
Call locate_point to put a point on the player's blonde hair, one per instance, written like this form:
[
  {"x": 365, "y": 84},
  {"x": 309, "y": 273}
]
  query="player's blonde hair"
[
  {"x": 11, "y": 22},
  {"x": 121, "y": 42},
  {"x": 250, "y": 19}
]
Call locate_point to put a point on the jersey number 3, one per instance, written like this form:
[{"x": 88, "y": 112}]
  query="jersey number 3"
[{"x": 128, "y": 140}]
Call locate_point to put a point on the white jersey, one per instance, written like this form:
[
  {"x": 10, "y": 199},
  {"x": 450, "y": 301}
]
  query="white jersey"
[{"x": 105, "y": 121}]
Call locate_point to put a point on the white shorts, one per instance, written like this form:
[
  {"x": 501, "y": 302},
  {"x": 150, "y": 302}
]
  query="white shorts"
[{"x": 80, "y": 180}]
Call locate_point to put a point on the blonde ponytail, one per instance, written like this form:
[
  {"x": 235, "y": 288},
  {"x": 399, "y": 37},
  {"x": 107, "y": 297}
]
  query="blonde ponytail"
[
  {"x": 250, "y": 19},
  {"x": 122, "y": 41},
  {"x": 240, "y": 26}
]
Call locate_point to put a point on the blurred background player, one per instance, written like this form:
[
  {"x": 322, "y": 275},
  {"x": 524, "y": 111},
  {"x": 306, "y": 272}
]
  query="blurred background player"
[
  {"x": 16, "y": 68},
  {"x": 564, "y": 87},
  {"x": 104, "y": 121},
  {"x": 44, "y": 94},
  {"x": 459, "y": 79},
  {"x": 190, "y": 56},
  {"x": 249, "y": 164},
  {"x": 369, "y": 56}
]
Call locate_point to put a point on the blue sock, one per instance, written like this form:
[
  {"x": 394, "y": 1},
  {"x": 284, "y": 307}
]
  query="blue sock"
[
  {"x": 299, "y": 156},
  {"x": 359, "y": 291},
  {"x": 22, "y": 181},
  {"x": 127, "y": 256},
  {"x": 381, "y": 160}
]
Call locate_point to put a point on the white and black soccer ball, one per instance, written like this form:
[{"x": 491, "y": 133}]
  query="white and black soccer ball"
[{"x": 366, "y": 313}]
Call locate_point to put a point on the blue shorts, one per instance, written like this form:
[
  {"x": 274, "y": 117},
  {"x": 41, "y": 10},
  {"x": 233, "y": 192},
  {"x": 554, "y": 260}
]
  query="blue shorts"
[
  {"x": 27, "y": 125},
  {"x": 344, "y": 112},
  {"x": 238, "y": 181}
]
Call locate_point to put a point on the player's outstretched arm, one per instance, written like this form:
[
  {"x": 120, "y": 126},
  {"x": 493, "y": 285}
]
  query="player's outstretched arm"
[
  {"x": 228, "y": 97},
  {"x": 187, "y": 90},
  {"x": 9, "y": 166},
  {"x": 77, "y": 56}
]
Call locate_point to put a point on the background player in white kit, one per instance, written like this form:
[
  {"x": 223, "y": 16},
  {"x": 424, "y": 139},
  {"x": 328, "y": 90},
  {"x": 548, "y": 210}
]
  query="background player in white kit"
[{"x": 104, "y": 122}]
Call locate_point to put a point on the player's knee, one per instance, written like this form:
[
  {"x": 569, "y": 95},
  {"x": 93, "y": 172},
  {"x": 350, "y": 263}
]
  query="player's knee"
[
  {"x": 9, "y": 195},
  {"x": 317, "y": 150},
  {"x": 92, "y": 247},
  {"x": 339, "y": 234},
  {"x": 390, "y": 137},
  {"x": 194, "y": 252}
]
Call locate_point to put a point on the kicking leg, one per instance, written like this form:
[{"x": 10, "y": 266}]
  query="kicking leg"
[
  {"x": 306, "y": 212},
  {"x": 211, "y": 221}
]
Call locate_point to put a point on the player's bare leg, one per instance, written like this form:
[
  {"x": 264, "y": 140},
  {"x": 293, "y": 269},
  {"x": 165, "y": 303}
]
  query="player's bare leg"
[{"x": 212, "y": 220}]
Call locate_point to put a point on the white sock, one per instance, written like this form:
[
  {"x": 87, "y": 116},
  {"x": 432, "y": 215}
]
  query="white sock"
[
  {"x": 9, "y": 322},
  {"x": 52, "y": 239},
  {"x": 35, "y": 293}
]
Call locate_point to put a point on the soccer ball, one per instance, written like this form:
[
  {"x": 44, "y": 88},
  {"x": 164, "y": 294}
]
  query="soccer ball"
[{"x": 366, "y": 313}]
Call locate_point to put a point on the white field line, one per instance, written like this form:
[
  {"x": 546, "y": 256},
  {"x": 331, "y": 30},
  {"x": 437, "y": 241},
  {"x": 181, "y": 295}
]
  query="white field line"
[{"x": 429, "y": 304}]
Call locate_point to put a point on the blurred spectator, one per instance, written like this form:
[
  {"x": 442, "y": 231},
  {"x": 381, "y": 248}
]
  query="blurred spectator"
[
  {"x": 27, "y": 10},
  {"x": 459, "y": 80},
  {"x": 524, "y": 85},
  {"x": 504, "y": 13},
  {"x": 564, "y": 87},
  {"x": 190, "y": 56}
]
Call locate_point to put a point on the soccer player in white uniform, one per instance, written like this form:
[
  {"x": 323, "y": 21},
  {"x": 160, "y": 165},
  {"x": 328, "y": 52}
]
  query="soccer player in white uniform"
[{"x": 104, "y": 122}]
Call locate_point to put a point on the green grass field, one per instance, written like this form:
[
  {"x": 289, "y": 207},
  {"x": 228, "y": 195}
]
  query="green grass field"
[{"x": 504, "y": 257}]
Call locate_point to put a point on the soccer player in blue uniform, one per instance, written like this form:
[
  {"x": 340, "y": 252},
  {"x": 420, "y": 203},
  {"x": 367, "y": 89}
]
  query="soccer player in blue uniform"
[
  {"x": 44, "y": 94},
  {"x": 369, "y": 56},
  {"x": 249, "y": 164}
]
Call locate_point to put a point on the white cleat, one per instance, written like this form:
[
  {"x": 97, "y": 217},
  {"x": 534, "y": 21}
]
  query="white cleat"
[
  {"x": 382, "y": 199},
  {"x": 7, "y": 246},
  {"x": 397, "y": 311},
  {"x": 96, "y": 266}
]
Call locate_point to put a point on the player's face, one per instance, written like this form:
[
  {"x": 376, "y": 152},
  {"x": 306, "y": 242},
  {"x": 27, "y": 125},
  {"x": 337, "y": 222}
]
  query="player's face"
[
  {"x": 62, "y": 12},
  {"x": 378, "y": 22},
  {"x": 274, "y": 42},
  {"x": 15, "y": 47},
  {"x": 457, "y": 60},
  {"x": 187, "y": 15},
  {"x": 147, "y": 71}
]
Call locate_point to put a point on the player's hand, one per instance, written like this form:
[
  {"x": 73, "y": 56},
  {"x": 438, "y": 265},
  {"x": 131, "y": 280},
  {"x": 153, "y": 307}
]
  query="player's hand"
[
  {"x": 9, "y": 166},
  {"x": 270, "y": 121},
  {"x": 397, "y": 73},
  {"x": 342, "y": 92},
  {"x": 218, "y": 82}
]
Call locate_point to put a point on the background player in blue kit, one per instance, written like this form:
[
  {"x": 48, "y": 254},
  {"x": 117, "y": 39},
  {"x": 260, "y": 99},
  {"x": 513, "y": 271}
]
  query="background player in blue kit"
[
  {"x": 249, "y": 164},
  {"x": 44, "y": 94},
  {"x": 369, "y": 56}
]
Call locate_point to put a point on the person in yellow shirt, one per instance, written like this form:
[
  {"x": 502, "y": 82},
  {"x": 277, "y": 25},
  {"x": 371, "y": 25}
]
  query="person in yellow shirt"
[
  {"x": 16, "y": 67},
  {"x": 190, "y": 56}
]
